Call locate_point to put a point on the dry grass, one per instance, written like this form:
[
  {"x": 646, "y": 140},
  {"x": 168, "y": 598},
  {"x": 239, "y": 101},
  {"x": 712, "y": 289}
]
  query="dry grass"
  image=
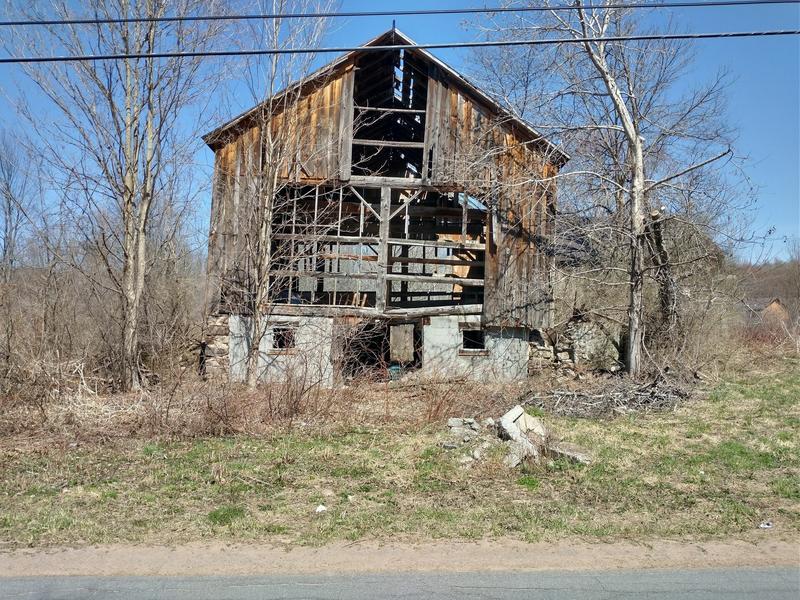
[{"x": 715, "y": 466}]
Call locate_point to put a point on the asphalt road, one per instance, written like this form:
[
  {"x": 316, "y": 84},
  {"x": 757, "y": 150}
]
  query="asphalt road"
[{"x": 763, "y": 584}]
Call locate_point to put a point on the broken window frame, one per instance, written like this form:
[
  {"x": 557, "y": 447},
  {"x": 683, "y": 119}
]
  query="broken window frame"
[
  {"x": 479, "y": 341},
  {"x": 284, "y": 338}
]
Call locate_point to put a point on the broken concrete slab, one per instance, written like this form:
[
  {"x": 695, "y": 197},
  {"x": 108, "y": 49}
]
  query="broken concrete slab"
[
  {"x": 508, "y": 422},
  {"x": 531, "y": 425},
  {"x": 520, "y": 447},
  {"x": 570, "y": 452}
]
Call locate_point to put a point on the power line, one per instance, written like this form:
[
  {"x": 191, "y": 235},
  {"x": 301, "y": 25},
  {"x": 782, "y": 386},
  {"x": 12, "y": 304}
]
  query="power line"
[
  {"x": 342, "y": 50},
  {"x": 396, "y": 13}
]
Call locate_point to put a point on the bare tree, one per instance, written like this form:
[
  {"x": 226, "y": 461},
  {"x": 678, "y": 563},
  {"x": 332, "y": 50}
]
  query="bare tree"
[
  {"x": 13, "y": 200},
  {"x": 646, "y": 154},
  {"x": 121, "y": 135},
  {"x": 261, "y": 170}
]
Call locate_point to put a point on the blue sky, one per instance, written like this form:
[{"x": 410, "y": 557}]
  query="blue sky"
[{"x": 764, "y": 98}]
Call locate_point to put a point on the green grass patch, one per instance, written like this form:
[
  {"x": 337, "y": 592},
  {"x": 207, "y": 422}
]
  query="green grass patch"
[
  {"x": 225, "y": 515},
  {"x": 529, "y": 482},
  {"x": 787, "y": 487},
  {"x": 716, "y": 466}
]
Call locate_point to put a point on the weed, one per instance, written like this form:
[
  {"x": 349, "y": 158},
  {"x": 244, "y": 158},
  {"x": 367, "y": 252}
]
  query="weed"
[
  {"x": 529, "y": 482},
  {"x": 787, "y": 487},
  {"x": 225, "y": 515}
]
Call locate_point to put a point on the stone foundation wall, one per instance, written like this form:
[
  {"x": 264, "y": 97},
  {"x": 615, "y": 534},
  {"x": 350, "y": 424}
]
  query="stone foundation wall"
[
  {"x": 217, "y": 349},
  {"x": 584, "y": 343}
]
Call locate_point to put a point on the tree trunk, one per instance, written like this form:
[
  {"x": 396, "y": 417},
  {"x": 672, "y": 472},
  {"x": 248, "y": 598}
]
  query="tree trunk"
[
  {"x": 633, "y": 358},
  {"x": 667, "y": 292},
  {"x": 130, "y": 328}
]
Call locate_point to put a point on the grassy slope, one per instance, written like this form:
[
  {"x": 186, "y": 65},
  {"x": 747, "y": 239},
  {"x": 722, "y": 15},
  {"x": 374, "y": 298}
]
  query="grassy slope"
[{"x": 715, "y": 467}]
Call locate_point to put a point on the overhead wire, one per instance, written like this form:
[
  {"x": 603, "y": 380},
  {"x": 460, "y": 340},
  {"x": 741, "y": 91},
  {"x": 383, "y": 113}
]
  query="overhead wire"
[
  {"x": 433, "y": 46},
  {"x": 395, "y": 13}
]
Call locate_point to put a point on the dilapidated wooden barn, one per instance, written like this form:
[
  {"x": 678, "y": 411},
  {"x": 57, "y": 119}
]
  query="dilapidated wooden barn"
[{"x": 382, "y": 213}]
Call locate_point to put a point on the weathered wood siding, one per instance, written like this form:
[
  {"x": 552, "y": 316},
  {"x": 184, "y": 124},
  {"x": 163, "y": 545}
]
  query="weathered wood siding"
[
  {"x": 466, "y": 146},
  {"x": 311, "y": 130}
]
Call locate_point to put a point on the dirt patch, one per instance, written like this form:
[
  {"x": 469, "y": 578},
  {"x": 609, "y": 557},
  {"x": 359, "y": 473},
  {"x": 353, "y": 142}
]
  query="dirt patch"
[{"x": 501, "y": 555}]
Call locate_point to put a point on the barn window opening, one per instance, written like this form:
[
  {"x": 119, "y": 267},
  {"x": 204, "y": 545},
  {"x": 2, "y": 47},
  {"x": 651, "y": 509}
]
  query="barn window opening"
[
  {"x": 473, "y": 339},
  {"x": 283, "y": 337},
  {"x": 389, "y": 96}
]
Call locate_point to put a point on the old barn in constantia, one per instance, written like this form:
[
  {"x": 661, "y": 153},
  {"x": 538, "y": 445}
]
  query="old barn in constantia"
[{"x": 382, "y": 214}]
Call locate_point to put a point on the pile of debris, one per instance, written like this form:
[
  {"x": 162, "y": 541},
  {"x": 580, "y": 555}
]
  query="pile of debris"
[
  {"x": 616, "y": 396},
  {"x": 525, "y": 437}
]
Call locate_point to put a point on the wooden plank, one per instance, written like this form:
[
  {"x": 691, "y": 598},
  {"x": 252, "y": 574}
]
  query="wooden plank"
[
  {"x": 387, "y": 143},
  {"x": 434, "y": 279},
  {"x": 401, "y": 343},
  {"x": 391, "y": 110},
  {"x": 346, "y": 126},
  {"x": 456, "y": 262},
  {"x": 437, "y": 244},
  {"x": 383, "y": 249},
  {"x": 395, "y": 182}
]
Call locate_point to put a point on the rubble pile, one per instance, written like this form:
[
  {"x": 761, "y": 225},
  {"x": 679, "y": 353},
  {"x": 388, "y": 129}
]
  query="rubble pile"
[{"x": 525, "y": 437}]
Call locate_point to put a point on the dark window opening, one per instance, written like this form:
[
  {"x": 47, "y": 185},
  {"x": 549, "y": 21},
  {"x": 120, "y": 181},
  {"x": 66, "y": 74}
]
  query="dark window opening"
[
  {"x": 283, "y": 338},
  {"x": 473, "y": 339}
]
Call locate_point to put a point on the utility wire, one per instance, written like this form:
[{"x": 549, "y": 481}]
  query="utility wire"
[
  {"x": 342, "y": 50},
  {"x": 397, "y": 13}
]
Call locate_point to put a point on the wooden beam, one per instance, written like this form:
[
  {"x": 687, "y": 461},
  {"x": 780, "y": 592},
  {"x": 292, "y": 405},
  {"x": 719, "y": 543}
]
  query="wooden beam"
[
  {"x": 408, "y": 183},
  {"x": 434, "y": 279},
  {"x": 392, "y": 110},
  {"x": 322, "y": 274},
  {"x": 387, "y": 143},
  {"x": 327, "y": 310},
  {"x": 433, "y": 311},
  {"x": 383, "y": 249},
  {"x": 405, "y": 204},
  {"x": 436, "y": 261},
  {"x": 321, "y": 310},
  {"x": 346, "y": 239},
  {"x": 438, "y": 244},
  {"x": 364, "y": 202},
  {"x": 367, "y": 258}
]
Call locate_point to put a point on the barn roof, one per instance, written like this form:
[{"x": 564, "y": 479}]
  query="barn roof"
[{"x": 386, "y": 41}]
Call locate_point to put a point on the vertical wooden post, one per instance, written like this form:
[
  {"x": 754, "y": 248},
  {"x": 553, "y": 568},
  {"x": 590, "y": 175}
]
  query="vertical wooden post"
[
  {"x": 360, "y": 249},
  {"x": 464, "y": 215},
  {"x": 383, "y": 249},
  {"x": 315, "y": 248},
  {"x": 338, "y": 246},
  {"x": 292, "y": 266}
]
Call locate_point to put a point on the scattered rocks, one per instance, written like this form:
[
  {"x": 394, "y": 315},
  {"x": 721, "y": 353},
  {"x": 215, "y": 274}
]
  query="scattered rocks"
[
  {"x": 527, "y": 439},
  {"x": 462, "y": 430},
  {"x": 321, "y": 509}
]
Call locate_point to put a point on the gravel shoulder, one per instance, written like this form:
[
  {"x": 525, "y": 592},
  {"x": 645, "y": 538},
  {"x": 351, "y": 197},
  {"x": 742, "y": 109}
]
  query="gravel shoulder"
[{"x": 369, "y": 557}]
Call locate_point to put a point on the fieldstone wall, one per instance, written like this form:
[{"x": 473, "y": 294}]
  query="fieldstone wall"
[
  {"x": 216, "y": 349},
  {"x": 580, "y": 342}
]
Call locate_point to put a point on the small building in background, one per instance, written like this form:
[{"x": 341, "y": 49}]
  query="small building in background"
[{"x": 773, "y": 313}]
